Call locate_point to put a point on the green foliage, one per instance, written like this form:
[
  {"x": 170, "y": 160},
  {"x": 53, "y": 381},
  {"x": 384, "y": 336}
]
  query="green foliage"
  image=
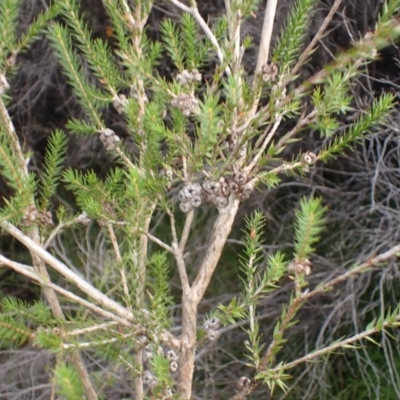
[
  {"x": 38, "y": 313},
  {"x": 68, "y": 383},
  {"x": 12, "y": 332},
  {"x": 159, "y": 296},
  {"x": 209, "y": 128},
  {"x": 53, "y": 164},
  {"x": 292, "y": 37},
  {"x": 377, "y": 114},
  {"x": 37, "y": 27},
  {"x": 8, "y": 22},
  {"x": 308, "y": 225},
  {"x": 9, "y": 162},
  {"x": 89, "y": 97},
  {"x": 96, "y": 52}
]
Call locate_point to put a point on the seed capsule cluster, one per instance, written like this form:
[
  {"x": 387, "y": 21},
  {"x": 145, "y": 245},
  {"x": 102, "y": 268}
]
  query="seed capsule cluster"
[
  {"x": 83, "y": 218},
  {"x": 217, "y": 192},
  {"x": 186, "y": 77},
  {"x": 300, "y": 266},
  {"x": 190, "y": 196},
  {"x": 149, "y": 379},
  {"x": 269, "y": 72},
  {"x": 147, "y": 354},
  {"x": 119, "y": 103},
  {"x": 212, "y": 327},
  {"x": 187, "y": 103},
  {"x": 243, "y": 383},
  {"x": 109, "y": 139}
]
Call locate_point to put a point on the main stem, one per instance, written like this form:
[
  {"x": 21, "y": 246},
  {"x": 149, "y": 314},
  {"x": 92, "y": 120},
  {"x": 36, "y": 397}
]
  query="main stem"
[{"x": 193, "y": 295}]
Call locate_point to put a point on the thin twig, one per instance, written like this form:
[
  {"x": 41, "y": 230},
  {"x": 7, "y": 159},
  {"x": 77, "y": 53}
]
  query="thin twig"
[
  {"x": 81, "y": 345},
  {"x": 160, "y": 243},
  {"x": 267, "y": 140},
  {"x": 195, "y": 13},
  {"x": 34, "y": 237},
  {"x": 31, "y": 273},
  {"x": 315, "y": 39},
  {"x": 186, "y": 230},
  {"x": 66, "y": 272},
  {"x": 394, "y": 251},
  {"x": 265, "y": 40},
  {"x": 117, "y": 252},
  {"x": 329, "y": 349},
  {"x": 181, "y": 269}
]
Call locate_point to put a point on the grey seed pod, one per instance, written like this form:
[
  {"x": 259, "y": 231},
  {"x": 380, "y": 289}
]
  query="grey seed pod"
[
  {"x": 309, "y": 157},
  {"x": 212, "y": 187},
  {"x": 186, "y": 207},
  {"x": 269, "y": 71},
  {"x": 248, "y": 188},
  {"x": 300, "y": 266},
  {"x": 243, "y": 382},
  {"x": 149, "y": 379},
  {"x": 83, "y": 218},
  {"x": 173, "y": 366},
  {"x": 143, "y": 340},
  {"x": 213, "y": 334},
  {"x": 240, "y": 178},
  {"x": 242, "y": 196},
  {"x": 225, "y": 189},
  {"x": 171, "y": 355},
  {"x": 119, "y": 103},
  {"x": 213, "y": 323},
  {"x": 221, "y": 202},
  {"x": 147, "y": 354},
  {"x": 196, "y": 75},
  {"x": 196, "y": 201},
  {"x": 109, "y": 139},
  {"x": 235, "y": 188},
  {"x": 182, "y": 196},
  {"x": 189, "y": 191}
]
